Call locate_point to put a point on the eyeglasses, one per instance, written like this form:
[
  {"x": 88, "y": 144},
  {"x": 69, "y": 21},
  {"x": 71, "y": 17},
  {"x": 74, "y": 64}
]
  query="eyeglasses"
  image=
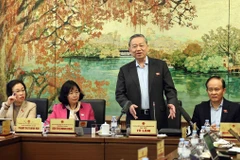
[{"x": 73, "y": 93}]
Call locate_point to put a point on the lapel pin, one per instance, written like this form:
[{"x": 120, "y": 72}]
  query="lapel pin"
[
  {"x": 225, "y": 111},
  {"x": 157, "y": 74}
]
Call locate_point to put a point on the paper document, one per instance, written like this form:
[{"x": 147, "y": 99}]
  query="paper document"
[{"x": 235, "y": 149}]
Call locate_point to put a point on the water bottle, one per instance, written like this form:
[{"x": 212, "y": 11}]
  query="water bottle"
[
  {"x": 45, "y": 128},
  {"x": 113, "y": 125},
  {"x": 218, "y": 130},
  {"x": 202, "y": 132},
  {"x": 39, "y": 116},
  {"x": 180, "y": 147},
  {"x": 207, "y": 125},
  {"x": 186, "y": 151},
  {"x": 194, "y": 139}
]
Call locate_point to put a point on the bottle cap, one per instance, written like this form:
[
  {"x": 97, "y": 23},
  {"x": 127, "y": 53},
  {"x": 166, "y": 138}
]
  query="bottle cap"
[{"x": 181, "y": 139}]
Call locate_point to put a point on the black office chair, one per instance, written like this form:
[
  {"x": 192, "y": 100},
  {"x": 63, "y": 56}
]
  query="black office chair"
[
  {"x": 174, "y": 125},
  {"x": 176, "y": 122},
  {"x": 99, "y": 107},
  {"x": 42, "y": 106}
]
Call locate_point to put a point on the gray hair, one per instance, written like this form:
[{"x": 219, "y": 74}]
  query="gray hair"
[{"x": 135, "y": 36}]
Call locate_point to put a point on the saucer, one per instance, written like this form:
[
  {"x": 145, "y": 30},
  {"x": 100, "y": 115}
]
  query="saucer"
[
  {"x": 104, "y": 135},
  {"x": 161, "y": 135}
]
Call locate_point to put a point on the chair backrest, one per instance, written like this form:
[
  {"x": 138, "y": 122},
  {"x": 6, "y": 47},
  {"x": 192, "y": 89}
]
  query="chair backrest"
[
  {"x": 42, "y": 106},
  {"x": 99, "y": 107},
  {"x": 176, "y": 122}
]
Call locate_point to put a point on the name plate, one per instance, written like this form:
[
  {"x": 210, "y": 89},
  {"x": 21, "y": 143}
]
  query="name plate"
[
  {"x": 6, "y": 127},
  {"x": 160, "y": 149},
  {"x": 224, "y": 127},
  {"x": 143, "y": 127},
  {"x": 142, "y": 153},
  {"x": 28, "y": 125},
  {"x": 184, "y": 132},
  {"x": 62, "y": 125}
]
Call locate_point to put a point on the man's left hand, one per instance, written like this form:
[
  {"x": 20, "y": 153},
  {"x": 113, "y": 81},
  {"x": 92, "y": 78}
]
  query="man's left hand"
[{"x": 172, "y": 111}]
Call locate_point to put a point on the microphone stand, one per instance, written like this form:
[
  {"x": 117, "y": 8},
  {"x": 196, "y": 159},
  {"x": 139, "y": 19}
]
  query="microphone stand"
[
  {"x": 124, "y": 110},
  {"x": 118, "y": 120}
]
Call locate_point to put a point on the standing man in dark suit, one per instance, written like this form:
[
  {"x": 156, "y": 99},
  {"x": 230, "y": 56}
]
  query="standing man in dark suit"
[
  {"x": 217, "y": 109},
  {"x": 142, "y": 84}
]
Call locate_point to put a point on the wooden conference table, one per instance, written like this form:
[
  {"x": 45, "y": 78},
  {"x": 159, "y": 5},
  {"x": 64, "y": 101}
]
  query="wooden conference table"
[{"x": 64, "y": 147}]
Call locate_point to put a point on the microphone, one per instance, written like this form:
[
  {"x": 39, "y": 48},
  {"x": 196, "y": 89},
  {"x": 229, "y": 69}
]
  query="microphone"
[
  {"x": 186, "y": 116},
  {"x": 154, "y": 111},
  {"x": 124, "y": 110}
]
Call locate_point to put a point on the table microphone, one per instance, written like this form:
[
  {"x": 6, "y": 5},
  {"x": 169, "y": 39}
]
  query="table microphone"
[
  {"x": 124, "y": 110},
  {"x": 186, "y": 116},
  {"x": 154, "y": 111}
]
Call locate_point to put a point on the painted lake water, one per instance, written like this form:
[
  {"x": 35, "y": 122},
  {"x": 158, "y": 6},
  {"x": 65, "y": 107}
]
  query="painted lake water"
[{"x": 191, "y": 87}]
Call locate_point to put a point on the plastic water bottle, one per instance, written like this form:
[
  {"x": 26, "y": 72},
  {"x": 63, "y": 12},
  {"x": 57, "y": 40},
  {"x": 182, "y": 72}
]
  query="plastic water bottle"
[
  {"x": 207, "y": 125},
  {"x": 45, "y": 128},
  {"x": 186, "y": 151},
  {"x": 194, "y": 139},
  {"x": 218, "y": 130},
  {"x": 180, "y": 147},
  {"x": 201, "y": 145},
  {"x": 113, "y": 125},
  {"x": 39, "y": 116},
  {"x": 202, "y": 132}
]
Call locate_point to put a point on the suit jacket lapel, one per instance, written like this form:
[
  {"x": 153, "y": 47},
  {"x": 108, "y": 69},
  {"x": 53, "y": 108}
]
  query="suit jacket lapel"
[
  {"x": 151, "y": 73},
  {"x": 22, "y": 109},
  {"x": 207, "y": 112},
  {"x": 134, "y": 75},
  {"x": 225, "y": 110}
]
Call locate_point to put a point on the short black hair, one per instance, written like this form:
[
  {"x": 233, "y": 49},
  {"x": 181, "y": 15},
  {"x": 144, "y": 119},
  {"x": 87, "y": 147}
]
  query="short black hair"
[
  {"x": 65, "y": 89},
  {"x": 216, "y": 77},
  {"x": 11, "y": 84},
  {"x": 135, "y": 36}
]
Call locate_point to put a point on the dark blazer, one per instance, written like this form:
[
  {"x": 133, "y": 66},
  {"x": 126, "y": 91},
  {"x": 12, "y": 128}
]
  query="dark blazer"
[
  {"x": 160, "y": 82},
  {"x": 230, "y": 112}
]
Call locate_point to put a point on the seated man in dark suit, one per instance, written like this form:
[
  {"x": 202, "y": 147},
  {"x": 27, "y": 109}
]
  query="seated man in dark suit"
[{"x": 217, "y": 109}]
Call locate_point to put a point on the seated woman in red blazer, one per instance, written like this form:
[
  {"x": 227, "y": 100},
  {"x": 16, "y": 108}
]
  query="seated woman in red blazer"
[{"x": 71, "y": 106}]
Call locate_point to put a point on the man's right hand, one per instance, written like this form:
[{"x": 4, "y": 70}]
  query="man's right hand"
[
  {"x": 133, "y": 111},
  {"x": 214, "y": 128}
]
